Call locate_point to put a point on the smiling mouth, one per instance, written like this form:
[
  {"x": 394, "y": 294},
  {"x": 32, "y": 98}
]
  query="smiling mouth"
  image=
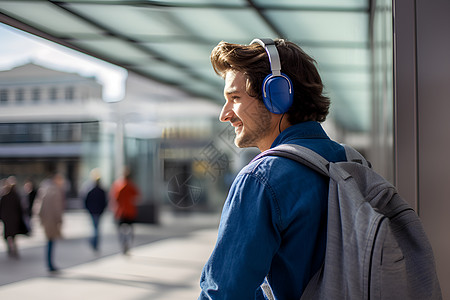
[{"x": 237, "y": 128}]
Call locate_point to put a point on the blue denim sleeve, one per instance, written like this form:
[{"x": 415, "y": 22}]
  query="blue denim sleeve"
[{"x": 247, "y": 240}]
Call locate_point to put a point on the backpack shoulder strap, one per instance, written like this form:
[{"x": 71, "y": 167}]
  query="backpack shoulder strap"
[
  {"x": 354, "y": 156},
  {"x": 300, "y": 154},
  {"x": 311, "y": 158}
]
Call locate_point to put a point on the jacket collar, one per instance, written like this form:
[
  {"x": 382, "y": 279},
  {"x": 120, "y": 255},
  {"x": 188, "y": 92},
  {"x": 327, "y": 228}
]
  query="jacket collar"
[{"x": 305, "y": 130}]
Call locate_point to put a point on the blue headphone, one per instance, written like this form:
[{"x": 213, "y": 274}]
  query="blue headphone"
[{"x": 277, "y": 90}]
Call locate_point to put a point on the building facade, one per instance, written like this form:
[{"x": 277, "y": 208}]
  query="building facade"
[
  {"x": 52, "y": 121},
  {"x": 48, "y": 123}
]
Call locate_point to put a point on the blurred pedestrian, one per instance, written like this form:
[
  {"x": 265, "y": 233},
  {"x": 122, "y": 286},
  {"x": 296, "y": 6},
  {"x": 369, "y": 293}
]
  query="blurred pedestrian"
[
  {"x": 51, "y": 202},
  {"x": 12, "y": 215},
  {"x": 30, "y": 191},
  {"x": 2, "y": 186},
  {"x": 95, "y": 203},
  {"x": 30, "y": 195},
  {"x": 124, "y": 196}
]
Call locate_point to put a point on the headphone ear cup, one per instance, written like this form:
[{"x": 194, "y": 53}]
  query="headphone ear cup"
[{"x": 277, "y": 93}]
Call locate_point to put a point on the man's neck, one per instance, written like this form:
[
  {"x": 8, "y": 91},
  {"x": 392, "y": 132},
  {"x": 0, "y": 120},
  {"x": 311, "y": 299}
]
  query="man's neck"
[{"x": 277, "y": 128}]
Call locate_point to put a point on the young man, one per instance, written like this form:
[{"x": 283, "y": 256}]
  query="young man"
[{"x": 273, "y": 224}]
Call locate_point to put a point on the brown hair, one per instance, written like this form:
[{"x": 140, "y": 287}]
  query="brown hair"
[{"x": 309, "y": 102}]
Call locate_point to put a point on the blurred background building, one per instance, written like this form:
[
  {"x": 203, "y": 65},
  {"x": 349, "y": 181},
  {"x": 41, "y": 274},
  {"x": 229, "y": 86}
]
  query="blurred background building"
[
  {"x": 47, "y": 123},
  {"x": 384, "y": 64},
  {"x": 53, "y": 121}
]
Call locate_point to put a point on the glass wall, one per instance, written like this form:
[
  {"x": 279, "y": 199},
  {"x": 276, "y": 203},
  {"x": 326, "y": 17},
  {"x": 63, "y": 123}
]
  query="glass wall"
[{"x": 381, "y": 150}]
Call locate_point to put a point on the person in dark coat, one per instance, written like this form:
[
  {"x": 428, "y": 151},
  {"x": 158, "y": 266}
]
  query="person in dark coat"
[
  {"x": 11, "y": 213},
  {"x": 95, "y": 202}
]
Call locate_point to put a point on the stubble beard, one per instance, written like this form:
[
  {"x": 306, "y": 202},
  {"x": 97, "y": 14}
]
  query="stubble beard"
[{"x": 249, "y": 137}]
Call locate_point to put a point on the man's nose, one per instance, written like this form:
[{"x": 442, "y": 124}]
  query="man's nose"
[{"x": 226, "y": 113}]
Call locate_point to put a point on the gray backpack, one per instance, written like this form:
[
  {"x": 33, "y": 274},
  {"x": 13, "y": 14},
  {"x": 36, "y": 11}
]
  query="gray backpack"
[{"x": 376, "y": 245}]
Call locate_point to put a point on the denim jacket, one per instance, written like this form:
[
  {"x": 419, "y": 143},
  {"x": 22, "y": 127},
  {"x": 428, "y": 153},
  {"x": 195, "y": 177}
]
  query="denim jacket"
[{"x": 273, "y": 224}]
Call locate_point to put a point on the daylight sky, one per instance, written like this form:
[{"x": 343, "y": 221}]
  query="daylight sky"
[{"x": 18, "y": 48}]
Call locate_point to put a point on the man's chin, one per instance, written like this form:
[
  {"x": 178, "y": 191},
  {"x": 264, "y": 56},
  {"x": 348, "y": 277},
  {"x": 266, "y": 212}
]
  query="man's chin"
[
  {"x": 239, "y": 146},
  {"x": 241, "y": 142},
  {"x": 238, "y": 142}
]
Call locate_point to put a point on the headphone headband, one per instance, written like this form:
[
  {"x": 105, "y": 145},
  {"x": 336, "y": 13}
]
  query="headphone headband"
[
  {"x": 277, "y": 87},
  {"x": 272, "y": 52}
]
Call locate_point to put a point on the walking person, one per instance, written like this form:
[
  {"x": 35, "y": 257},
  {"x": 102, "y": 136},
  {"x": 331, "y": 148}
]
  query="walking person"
[
  {"x": 272, "y": 232},
  {"x": 95, "y": 203},
  {"x": 12, "y": 215},
  {"x": 50, "y": 200},
  {"x": 124, "y": 196},
  {"x": 30, "y": 193}
]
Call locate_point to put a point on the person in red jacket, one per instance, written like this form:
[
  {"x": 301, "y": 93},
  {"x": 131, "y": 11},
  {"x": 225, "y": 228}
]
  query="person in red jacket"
[{"x": 124, "y": 197}]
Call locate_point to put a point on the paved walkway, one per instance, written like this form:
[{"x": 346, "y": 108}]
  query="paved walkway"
[{"x": 165, "y": 262}]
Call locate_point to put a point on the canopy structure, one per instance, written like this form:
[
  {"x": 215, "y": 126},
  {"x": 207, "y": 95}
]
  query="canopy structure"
[{"x": 170, "y": 41}]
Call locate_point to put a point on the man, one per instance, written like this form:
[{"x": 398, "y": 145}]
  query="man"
[{"x": 273, "y": 224}]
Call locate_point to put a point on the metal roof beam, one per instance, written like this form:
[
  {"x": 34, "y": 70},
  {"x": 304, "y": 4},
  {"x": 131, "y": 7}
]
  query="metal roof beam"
[{"x": 186, "y": 4}]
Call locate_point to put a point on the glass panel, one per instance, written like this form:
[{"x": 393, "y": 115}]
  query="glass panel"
[
  {"x": 48, "y": 18},
  {"x": 339, "y": 57},
  {"x": 233, "y": 25},
  {"x": 210, "y": 76},
  {"x": 342, "y": 4},
  {"x": 182, "y": 78},
  {"x": 136, "y": 22},
  {"x": 174, "y": 2},
  {"x": 192, "y": 54},
  {"x": 205, "y": 2},
  {"x": 326, "y": 27},
  {"x": 382, "y": 141},
  {"x": 20, "y": 95},
  {"x": 351, "y": 110},
  {"x": 115, "y": 49},
  {"x": 350, "y": 95},
  {"x": 36, "y": 94},
  {"x": 203, "y": 88},
  {"x": 3, "y": 96},
  {"x": 163, "y": 71},
  {"x": 347, "y": 81}
]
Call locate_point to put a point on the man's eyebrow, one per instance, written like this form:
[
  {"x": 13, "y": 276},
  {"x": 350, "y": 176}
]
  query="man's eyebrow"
[{"x": 230, "y": 91}]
